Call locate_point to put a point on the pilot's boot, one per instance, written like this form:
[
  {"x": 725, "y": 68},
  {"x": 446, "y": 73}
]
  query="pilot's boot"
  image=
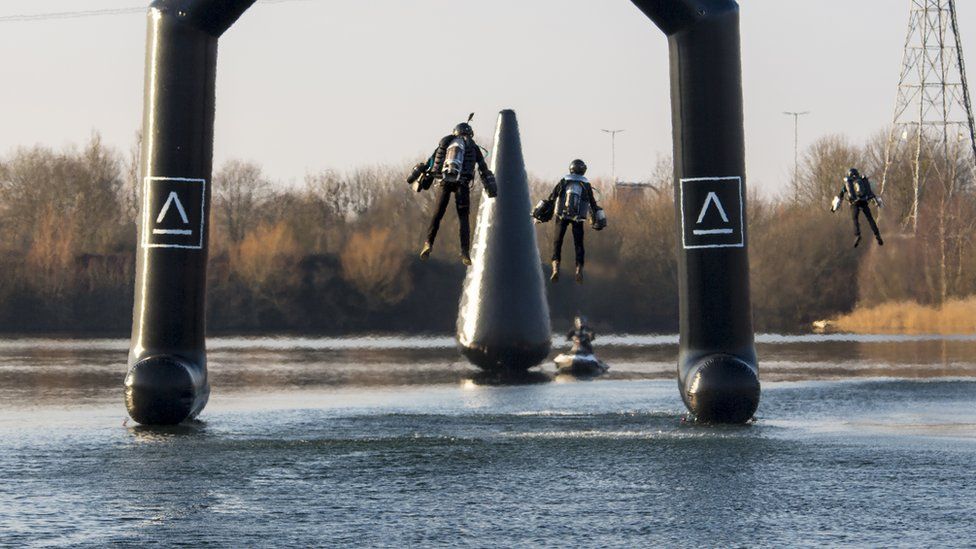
[
  {"x": 579, "y": 274},
  {"x": 465, "y": 257},
  {"x": 880, "y": 240},
  {"x": 857, "y": 240},
  {"x": 555, "y": 272},
  {"x": 425, "y": 253}
]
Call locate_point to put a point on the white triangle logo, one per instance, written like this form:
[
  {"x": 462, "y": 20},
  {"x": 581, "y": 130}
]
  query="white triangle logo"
[
  {"x": 719, "y": 222},
  {"x": 712, "y": 198},
  {"x": 175, "y": 199},
  {"x": 174, "y": 214}
]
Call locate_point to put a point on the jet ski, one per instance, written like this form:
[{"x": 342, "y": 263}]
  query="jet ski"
[{"x": 580, "y": 365}]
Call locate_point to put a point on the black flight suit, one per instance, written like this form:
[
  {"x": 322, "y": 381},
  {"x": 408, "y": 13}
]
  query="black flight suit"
[
  {"x": 859, "y": 193},
  {"x": 461, "y": 189},
  {"x": 569, "y": 215}
]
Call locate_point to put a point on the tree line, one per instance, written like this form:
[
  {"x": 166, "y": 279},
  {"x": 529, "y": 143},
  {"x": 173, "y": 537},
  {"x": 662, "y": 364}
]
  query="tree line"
[{"x": 338, "y": 253}]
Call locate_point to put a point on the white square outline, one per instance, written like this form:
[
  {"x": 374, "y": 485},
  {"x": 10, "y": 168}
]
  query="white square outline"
[
  {"x": 145, "y": 211},
  {"x": 742, "y": 218}
]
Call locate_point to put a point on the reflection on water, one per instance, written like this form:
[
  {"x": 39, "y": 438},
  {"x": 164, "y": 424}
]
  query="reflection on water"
[
  {"x": 374, "y": 342},
  {"x": 167, "y": 433},
  {"x": 369, "y": 442},
  {"x": 82, "y": 371}
]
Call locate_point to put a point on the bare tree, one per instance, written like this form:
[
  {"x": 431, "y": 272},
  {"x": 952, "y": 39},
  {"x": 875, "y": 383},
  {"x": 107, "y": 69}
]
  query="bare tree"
[
  {"x": 130, "y": 194},
  {"x": 239, "y": 190},
  {"x": 821, "y": 168},
  {"x": 81, "y": 187}
]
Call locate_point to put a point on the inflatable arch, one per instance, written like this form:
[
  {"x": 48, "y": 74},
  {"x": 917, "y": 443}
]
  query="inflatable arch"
[{"x": 718, "y": 371}]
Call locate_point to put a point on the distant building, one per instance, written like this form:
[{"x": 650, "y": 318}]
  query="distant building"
[{"x": 626, "y": 190}]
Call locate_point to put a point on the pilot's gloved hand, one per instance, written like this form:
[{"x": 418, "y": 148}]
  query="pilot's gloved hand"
[
  {"x": 835, "y": 204},
  {"x": 491, "y": 187}
]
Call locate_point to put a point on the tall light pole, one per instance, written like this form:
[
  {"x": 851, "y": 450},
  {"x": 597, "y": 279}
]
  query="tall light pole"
[
  {"x": 796, "y": 141},
  {"x": 613, "y": 153}
]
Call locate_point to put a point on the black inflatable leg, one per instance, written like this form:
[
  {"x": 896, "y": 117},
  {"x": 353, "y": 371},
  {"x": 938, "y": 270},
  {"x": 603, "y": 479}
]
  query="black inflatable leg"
[
  {"x": 717, "y": 368},
  {"x": 165, "y": 390},
  {"x": 722, "y": 389},
  {"x": 167, "y": 378}
]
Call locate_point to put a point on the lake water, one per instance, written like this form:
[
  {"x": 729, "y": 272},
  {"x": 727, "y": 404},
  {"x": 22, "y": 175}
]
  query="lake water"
[{"x": 864, "y": 441}]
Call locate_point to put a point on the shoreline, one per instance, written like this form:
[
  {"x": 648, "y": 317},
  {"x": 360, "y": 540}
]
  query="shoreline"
[{"x": 954, "y": 317}]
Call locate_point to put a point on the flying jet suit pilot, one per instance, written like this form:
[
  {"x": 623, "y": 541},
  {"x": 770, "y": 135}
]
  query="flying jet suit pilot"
[
  {"x": 571, "y": 201},
  {"x": 858, "y": 191},
  {"x": 453, "y": 164}
]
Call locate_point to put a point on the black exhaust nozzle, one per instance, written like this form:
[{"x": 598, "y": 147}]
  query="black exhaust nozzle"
[
  {"x": 167, "y": 378},
  {"x": 717, "y": 365}
]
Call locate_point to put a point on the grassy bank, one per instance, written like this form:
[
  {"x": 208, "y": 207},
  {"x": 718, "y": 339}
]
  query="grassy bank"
[{"x": 954, "y": 317}]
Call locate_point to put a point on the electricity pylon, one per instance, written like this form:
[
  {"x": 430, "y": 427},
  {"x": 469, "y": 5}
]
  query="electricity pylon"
[{"x": 933, "y": 119}]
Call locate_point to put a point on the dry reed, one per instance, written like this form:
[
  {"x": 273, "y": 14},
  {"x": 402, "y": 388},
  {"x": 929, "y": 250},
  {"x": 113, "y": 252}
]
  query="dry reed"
[{"x": 957, "y": 316}]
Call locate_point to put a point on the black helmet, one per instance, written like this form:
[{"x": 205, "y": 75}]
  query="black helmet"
[
  {"x": 577, "y": 167},
  {"x": 464, "y": 130},
  {"x": 853, "y": 173}
]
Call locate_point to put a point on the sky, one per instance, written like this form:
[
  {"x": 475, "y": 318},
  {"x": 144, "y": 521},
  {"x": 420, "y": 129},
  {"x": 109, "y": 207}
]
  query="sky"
[{"x": 305, "y": 85}]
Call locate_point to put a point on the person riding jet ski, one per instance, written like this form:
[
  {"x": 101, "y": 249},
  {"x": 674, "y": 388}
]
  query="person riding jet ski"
[{"x": 580, "y": 359}]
